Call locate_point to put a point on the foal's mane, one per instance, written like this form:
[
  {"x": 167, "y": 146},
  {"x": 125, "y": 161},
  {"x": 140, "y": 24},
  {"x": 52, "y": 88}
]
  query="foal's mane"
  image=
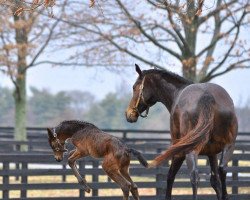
[
  {"x": 74, "y": 125},
  {"x": 167, "y": 75}
]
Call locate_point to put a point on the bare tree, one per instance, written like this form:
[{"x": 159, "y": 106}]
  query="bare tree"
[
  {"x": 22, "y": 6},
  {"x": 205, "y": 38},
  {"x": 23, "y": 40}
]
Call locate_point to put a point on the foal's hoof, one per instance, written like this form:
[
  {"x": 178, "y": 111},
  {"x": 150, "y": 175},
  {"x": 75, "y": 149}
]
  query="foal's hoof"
[{"x": 86, "y": 188}]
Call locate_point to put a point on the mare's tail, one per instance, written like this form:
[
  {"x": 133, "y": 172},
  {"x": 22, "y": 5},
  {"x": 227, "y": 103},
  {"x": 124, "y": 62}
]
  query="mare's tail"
[
  {"x": 196, "y": 138},
  {"x": 139, "y": 156}
]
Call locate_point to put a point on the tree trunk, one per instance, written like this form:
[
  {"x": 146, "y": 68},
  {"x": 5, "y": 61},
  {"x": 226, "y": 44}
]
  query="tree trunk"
[
  {"x": 20, "y": 80},
  {"x": 190, "y": 28},
  {"x": 20, "y": 109},
  {"x": 189, "y": 68}
]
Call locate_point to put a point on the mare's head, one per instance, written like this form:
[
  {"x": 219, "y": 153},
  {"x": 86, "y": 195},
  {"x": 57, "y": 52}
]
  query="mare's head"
[
  {"x": 55, "y": 144},
  {"x": 143, "y": 97}
]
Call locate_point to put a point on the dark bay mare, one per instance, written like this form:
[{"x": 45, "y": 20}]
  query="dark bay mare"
[
  {"x": 91, "y": 141},
  {"x": 202, "y": 122}
]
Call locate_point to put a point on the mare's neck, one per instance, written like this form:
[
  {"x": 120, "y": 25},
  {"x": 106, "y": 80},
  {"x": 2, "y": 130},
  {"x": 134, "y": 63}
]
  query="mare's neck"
[{"x": 167, "y": 88}]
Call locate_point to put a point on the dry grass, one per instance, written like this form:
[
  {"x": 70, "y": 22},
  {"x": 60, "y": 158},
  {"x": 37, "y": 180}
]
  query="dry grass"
[
  {"x": 102, "y": 192},
  {"x": 106, "y": 192}
]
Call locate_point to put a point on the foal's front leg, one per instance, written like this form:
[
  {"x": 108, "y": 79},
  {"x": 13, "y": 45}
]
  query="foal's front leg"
[{"x": 73, "y": 156}]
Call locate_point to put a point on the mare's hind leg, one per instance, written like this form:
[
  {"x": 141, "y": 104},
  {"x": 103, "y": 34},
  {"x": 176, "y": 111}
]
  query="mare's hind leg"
[
  {"x": 73, "y": 156},
  {"x": 134, "y": 189},
  {"x": 215, "y": 178},
  {"x": 174, "y": 168},
  {"x": 112, "y": 169},
  {"x": 191, "y": 160},
  {"x": 225, "y": 158}
]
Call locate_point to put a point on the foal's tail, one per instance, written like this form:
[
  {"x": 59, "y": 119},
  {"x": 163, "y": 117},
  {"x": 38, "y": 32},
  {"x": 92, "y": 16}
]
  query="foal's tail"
[
  {"x": 139, "y": 156},
  {"x": 196, "y": 138}
]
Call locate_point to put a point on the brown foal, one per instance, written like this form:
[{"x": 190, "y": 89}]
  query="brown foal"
[{"x": 91, "y": 141}]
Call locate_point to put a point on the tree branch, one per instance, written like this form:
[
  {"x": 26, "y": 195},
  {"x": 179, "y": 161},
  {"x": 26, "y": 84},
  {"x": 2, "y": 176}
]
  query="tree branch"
[
  {"x": 44, "y": 45},
  {"x": 219, "y": 37},
  {"x": 174, "y": 25},
  {"x": 79, "y": 64},
  {"x": 210, "y": 51},
  {"x": 231, "y": 47},
  {"x": 228, "y": 69},
  {"x": 214, "y": 12},
  {"x": 147, "y": 35}
]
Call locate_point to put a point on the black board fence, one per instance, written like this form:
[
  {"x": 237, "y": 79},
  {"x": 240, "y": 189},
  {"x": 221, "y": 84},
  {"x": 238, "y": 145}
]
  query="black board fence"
[{"x": 41, "y": 177}]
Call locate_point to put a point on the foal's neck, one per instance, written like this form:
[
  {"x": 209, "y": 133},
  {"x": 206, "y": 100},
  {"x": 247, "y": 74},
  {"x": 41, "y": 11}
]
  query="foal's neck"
[
  {"x": 69, "y": 128},
  {"x": 66, "y": 131}
]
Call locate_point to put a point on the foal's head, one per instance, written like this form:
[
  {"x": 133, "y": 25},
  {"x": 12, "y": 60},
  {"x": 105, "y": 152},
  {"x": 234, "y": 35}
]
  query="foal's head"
[
  {"x": 143, "y": 97},
  {"x": 57, "y": 146}
]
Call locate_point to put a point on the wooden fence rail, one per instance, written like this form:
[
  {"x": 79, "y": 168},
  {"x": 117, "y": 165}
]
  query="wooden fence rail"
[{"x": 36, "y": 175}]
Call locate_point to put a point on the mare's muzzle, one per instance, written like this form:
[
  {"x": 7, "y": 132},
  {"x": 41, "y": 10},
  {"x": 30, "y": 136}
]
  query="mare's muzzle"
[{"x": 131, "y": 115}]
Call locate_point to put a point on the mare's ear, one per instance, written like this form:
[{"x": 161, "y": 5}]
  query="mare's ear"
[
  {"x": 138, "y": 70},
  {"x": 50, "y": 133}
]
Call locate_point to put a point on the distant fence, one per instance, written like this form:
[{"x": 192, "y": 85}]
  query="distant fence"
[{"x": 19, "y": 169}]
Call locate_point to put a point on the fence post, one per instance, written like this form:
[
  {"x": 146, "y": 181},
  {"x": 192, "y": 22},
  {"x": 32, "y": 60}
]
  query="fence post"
[
  {"x": 95, "y": 177},
  {"x": 6, "y": 180},
  {"x": 17, "y": 149},
  {"x": 81, "y": 166},
  {"x": 24, "y": 180},
  {"x": 124, "y": 136},
  {"x": 159, "y": 178},
  {"x": 235, "y": 163},
  {"x": 64, "y": 176}
]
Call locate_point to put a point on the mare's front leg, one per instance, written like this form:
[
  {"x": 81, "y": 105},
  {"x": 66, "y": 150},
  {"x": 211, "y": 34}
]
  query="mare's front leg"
[
  {"x": 191, "y": 160},
  {"x": 73, "y": 156},
  {"x": 174, "y": 168}
]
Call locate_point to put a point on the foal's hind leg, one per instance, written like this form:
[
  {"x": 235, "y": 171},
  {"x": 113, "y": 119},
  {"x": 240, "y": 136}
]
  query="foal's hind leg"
[
  {"x": 112, "y": 169},
  {"x": 174, "y": 168},
  {"x": 191, "y": 160},
  {"x": 225, "y": 158},
  {"x": 74, "y": 155},
  {"x": 215, "y": 179},
  {"x": 134, "y": 189}
]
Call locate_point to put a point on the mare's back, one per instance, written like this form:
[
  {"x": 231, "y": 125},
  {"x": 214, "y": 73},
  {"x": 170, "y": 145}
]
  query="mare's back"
[
  {"x": 192, "y": 96},
  {"x": 196, "y": 99}
]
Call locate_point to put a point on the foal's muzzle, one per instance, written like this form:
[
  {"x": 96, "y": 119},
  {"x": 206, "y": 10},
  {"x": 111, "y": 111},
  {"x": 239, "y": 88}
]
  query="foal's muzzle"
[{"x": 58, "y": 159}]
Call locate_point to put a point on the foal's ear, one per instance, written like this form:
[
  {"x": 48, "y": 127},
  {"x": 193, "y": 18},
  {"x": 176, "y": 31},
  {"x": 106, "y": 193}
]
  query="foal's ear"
[
  {"x": 138, "y": 70},
  {"x": 50, "y": 133}
]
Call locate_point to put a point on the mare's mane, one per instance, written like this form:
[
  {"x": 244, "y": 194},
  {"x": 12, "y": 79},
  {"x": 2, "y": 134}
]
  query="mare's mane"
[{"x": 167, "y": 75}]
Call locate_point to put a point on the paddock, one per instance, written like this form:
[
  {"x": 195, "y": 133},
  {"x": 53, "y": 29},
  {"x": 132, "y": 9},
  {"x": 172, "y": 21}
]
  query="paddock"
[{"x": 36, "y": 175}]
